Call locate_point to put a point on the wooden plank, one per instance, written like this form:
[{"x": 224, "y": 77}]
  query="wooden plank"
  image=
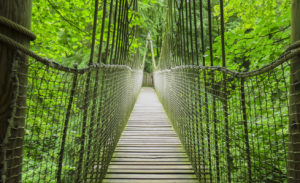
[
  {"x": 149, "y": 149},
  {"x": 148, "y": 134},
  {"x": 146, "y": 142},
  {"x": 152, "y": 171},
  {"x": 152, "y": 122},
  {"x": 148, "y": 176},
  {"x": 149, "y": 139},
  {"x": 152, "y": 152},
  {"x": 166, "y": 159},
  {"x": 149, "y": 181},
  {"x": 148, "y": 163},
  {"x": 158, "y": 141},
  {"x": 148, "y": 124},
  {"x": 141, "y": 149},
  {"x": 128, "y": 144},
  {"x": 160, "y": 134},
  {"x": 145, "y": 137},
  {"x": 156, "y": 166},
  {"x": 151, "y": 156},
  {"x": 149, "y": 129}
]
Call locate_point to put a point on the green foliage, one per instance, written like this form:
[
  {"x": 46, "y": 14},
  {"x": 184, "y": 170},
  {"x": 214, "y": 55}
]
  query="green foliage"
[
  {"x": 63, "y": 29},
  {"x": 152, "y": 15},
  {"x": 256, "y": 33}
]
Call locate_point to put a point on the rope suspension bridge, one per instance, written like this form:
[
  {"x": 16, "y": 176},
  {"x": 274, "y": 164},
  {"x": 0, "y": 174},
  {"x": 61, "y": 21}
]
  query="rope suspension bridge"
[{"x": 77, "y": 116}]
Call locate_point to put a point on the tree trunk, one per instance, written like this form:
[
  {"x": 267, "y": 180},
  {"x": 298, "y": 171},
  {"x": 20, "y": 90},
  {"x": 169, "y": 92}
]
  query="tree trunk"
[
  {"x": 12, "y": 102},
  {"x": 294, "y": 125}
]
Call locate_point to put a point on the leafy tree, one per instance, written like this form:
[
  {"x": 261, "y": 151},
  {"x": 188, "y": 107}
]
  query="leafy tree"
[{"x": 256, "y": 33}]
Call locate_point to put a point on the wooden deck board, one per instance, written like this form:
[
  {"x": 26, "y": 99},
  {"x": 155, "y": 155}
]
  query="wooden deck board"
[{"x": 149, "y": 149}]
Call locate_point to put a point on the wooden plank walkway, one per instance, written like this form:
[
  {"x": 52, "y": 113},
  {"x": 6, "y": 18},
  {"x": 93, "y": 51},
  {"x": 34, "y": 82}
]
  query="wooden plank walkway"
[{"x": 149, "y": 150}]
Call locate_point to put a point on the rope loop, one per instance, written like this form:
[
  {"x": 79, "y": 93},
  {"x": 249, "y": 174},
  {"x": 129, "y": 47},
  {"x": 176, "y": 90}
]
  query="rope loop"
[{"x": 17, "y": 27}]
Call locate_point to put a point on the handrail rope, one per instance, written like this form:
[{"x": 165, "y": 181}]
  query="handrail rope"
[
  {"x": 17, "y": 27},
  {"x": 292, "y": 51},
  {"x": 14, "y": 44}
]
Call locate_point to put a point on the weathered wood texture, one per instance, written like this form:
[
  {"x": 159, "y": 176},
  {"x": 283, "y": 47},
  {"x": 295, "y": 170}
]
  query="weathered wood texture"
[
  {"x": 294, "y": 126},
  {"x": 149, "y": 149},
  {"x": 11, "y": 136}
]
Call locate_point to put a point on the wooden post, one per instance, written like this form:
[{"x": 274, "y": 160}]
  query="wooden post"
[
  {"x": 11, "y": 149},
  {"x": 294, "y": 127},
  {"x": 294, "y": 124}
]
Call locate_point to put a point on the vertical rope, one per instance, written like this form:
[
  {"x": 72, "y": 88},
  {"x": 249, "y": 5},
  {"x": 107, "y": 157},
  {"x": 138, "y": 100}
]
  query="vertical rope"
[
  {"x": 244, "y": 110},
  {"x": 66, "y": 126},
  {"x": 102, "y": 32}
]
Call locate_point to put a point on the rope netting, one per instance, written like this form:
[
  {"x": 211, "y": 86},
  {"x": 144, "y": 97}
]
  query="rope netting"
[
  {"x": 72, "y": 127},
  {"x": 231, "y": 127},
  {"x": 234, "y": 125},
  {"x": 74, "y": 116}
]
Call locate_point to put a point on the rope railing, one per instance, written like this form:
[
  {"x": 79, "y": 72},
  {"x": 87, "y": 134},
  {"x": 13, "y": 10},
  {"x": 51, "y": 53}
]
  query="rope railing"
[
  {"x": 232, "y": 144},
  {"x": 71, "y": 130},
  {"x": 74, "y": 116},
  {"x": 234, "y": 125}
]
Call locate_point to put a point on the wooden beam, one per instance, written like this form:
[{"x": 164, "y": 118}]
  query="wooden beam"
[
  {"x": 18, "y": 11},
  {"x": 294, "y": 124}
]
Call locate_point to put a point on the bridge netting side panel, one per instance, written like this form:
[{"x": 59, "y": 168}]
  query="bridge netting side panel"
[
  {"x": 234, "y": 124},
  {"x": 74, "y": 116},
  {"x": 71, "y": 130},
  {"x": 237, "y": 133}
]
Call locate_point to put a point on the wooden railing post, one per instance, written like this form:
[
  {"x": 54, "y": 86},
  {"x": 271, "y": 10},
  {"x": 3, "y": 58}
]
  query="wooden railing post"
[
  {"x": 294, "y": 110},
  {"x": 12, "y": 103}
]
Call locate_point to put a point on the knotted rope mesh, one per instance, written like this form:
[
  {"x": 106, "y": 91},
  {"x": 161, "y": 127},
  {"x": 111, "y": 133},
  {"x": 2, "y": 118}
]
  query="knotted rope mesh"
[
  {"x": 234, "y": 125},
  {"x": 231, "y": 127},
  {"x": 71, "y": 128},
  {"x": 74, "y": 117}
]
